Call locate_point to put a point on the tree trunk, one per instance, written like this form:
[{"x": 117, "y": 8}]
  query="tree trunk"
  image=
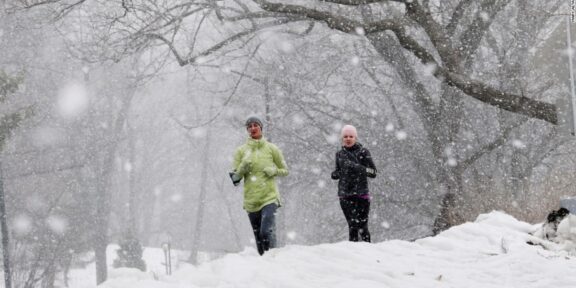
[
  {"x": 101, "y": 229},
  {"x": 5, "y": 235},
  {"x": 448, "y": 215},
  {"x": 193, "y": 258},
  {"x": 49, "y": 275},
  {"x": 131, "y": 229}
]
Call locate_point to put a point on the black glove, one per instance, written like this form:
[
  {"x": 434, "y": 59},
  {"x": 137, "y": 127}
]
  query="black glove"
[
  {"x": 335, "y": 175},
  {"x": 235, "y": 178}
]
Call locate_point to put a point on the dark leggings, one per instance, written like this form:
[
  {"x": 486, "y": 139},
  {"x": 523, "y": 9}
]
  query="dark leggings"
[
  {"x": 356, "y": 211},
  {"x": 264, "y": 226}
]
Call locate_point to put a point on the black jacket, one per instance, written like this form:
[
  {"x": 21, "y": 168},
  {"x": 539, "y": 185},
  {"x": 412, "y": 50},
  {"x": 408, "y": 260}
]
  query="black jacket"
[{"x": 353, "y": 166}]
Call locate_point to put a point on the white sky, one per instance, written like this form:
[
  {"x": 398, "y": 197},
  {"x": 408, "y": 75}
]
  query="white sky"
[{"x": 491, "y": 252}]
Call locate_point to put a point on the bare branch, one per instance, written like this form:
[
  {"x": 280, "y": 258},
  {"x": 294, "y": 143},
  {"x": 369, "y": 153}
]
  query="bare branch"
[
  {"x": 26, "y": 4},
  {"x": 333, "y": 21},
  {"x": 360, "y": 2},
  {"x": 505, "y": 101},
  {"x": 436, "y": 33},
  {"x": 473, "y": 35},
  {"x": 487, "y": 148},
  {"x": 230, "y": 96},
  {"x": 216, "y": 47},
  {"x": 457, "y": 16}
]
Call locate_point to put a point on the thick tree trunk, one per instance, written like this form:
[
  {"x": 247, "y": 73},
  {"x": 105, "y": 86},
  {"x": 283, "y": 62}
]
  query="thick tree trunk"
[
  {"x": 131, "y": 229},
  {"x": 101, "y": 231},
  {"x": 5, "y": 235},
  {"x": 49, "y": 276},
  {"x": 448, "y": 215},
  {"x": 201, "y": 200}
]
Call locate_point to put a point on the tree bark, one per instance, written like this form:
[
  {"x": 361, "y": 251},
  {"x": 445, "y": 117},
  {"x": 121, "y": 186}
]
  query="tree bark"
[
  {"x": 5, "y": 235},
  {"x": 201, "y": 199}
]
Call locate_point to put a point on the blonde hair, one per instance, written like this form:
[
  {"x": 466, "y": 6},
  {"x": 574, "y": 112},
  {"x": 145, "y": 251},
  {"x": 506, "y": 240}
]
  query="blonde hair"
[{"x": 349, "y": 128}]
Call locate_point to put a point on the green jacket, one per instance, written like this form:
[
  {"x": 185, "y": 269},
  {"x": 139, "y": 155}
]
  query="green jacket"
[{"x": 259, "y": 162}]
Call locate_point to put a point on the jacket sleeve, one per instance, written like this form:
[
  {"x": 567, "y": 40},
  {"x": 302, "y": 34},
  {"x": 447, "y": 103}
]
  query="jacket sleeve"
[
  {"x": 282, "y": 168},
  {"x": 336, "y": 173},
  {"x": 366, "y": 165},
  {"x": 369, "y": 163},
  {"x": 237, "y": 164}
]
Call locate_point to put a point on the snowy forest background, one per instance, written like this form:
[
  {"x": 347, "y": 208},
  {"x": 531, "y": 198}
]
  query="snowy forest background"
[{"x": 119, "y": 118}]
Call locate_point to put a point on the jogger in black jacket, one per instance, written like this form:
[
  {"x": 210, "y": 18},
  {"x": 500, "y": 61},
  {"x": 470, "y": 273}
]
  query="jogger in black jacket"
[{"x": 353, "y": 167}]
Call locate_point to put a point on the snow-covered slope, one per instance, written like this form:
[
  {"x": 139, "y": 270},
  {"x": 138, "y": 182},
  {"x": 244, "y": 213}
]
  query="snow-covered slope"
[{"x": 491, "y": 252}]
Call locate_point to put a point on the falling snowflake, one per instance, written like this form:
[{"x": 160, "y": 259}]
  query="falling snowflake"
[
  {"x": 176, "y": 197},
  {"x": 389, "y": 127},
  {"x": 22, "y": 225},
  {"x": 333, "y": 139},
  {"x": 72, "y": 100},
  {"x": 291, "y": 235},
  {"x": 226, "y": 68},
  {"x": 401, "y": 135},
  {"x": 518, "y": 144},
  {"x": 199, "y": 132},
  {"x": 201, "y": 60},
  {"x": 430, "y": 69},
  {"x": 297, "y": 119},
  {"x": 355, "y": 60},
  {"x": 57, "y": 224},
  {"x": 286, "y": 47}
]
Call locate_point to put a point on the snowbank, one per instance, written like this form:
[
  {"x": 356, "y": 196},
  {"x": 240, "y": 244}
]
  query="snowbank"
[{"x": 490, "y": 252}]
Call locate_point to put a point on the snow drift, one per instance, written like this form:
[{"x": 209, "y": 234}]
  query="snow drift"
[{"x": 489, "y": 252}]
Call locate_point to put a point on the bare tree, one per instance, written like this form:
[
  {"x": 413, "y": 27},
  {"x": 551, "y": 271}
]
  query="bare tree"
[
  {"x": 447, "y": 44},
  {"x": 8, "y": 122},
  {"x": 436, "y": 50}
]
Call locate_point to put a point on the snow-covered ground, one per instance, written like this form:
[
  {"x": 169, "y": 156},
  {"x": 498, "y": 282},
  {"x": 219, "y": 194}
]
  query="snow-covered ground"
[{"x": 490, "y": 252}]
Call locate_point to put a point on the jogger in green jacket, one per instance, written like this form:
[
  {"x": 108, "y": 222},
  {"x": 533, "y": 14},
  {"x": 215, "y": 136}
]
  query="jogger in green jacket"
[{"x": 258, "y": 162}]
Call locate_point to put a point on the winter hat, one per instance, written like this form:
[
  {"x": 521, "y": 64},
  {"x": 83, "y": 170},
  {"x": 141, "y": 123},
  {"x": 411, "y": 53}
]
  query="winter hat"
[
  {"x": 254, "y": 119},
  {"x": 349, "y": 128}
]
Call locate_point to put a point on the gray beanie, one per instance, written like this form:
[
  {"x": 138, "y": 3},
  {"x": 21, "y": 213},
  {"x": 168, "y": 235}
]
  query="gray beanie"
[{"x": 254, "y": 119}]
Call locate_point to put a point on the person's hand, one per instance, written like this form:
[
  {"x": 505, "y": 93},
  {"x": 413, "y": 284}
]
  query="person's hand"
[
  {"x": 335, "y": 175},
  {"x": 236, "y": 178},
  {"x": 270, "y": 171}
]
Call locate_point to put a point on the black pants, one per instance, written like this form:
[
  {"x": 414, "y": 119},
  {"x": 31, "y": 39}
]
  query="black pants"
[
  {"x": 356, "y": 211},
  {"x": 264, "y": 226}
]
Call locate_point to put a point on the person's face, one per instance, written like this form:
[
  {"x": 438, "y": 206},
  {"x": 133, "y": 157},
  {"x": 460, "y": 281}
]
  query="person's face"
[
  {"x": 348, "y": 139},
  {"x": 254, "y": 130}
]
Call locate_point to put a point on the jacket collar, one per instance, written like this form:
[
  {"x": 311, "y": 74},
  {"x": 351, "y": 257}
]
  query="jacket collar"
[
  {"x": 256, "y": 143},
  {"x": 354, "y": 147}
]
